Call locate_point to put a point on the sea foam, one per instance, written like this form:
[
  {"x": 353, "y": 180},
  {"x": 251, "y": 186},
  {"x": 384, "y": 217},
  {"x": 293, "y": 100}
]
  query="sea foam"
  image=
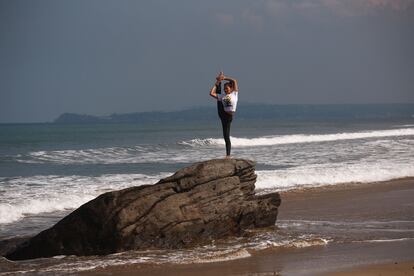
[
  {"x": 300, "y": 138},
  {"x": 25, "y": 196},
  {"x": 196, "y": 149},
  {"x": 318, "y": 175}
]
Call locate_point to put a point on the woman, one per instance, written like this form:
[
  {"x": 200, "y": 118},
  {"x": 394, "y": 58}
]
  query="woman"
[{"x": 226, "y": 105}]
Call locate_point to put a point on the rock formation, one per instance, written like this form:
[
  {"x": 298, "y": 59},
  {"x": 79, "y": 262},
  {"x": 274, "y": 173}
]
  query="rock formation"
[{"x": 208, "y": 200}]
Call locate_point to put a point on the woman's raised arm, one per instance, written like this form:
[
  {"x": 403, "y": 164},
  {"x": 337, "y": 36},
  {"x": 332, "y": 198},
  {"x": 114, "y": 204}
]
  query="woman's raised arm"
[
  {"x": 213, "y": 91},
  {"x": 234, "y": 81}
]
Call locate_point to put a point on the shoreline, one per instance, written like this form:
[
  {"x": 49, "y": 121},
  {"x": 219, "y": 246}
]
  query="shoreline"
[
  {"x": 352, "y": 185},
  {"x": 386, "y": 201}
]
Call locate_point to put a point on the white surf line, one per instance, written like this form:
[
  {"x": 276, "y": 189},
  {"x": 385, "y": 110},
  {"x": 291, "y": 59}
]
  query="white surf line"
[
  {"x": 384, "y": 240},
  {"x": 301, "y": 138}
]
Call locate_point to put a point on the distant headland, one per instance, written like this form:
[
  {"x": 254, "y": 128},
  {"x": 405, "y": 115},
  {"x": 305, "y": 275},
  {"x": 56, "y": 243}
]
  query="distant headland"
[{"x": 254, "y": 111}]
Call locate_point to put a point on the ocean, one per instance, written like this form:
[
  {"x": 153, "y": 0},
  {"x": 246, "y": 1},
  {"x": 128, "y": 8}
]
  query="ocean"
[{"x": 48, "y": 170}]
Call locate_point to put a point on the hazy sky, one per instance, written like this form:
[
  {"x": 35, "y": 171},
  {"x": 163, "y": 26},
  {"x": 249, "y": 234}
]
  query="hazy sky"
[{"x": 100, "y": 57}]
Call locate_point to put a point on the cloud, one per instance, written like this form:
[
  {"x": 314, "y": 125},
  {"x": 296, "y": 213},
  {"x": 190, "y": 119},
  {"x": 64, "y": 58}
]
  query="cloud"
[
  {"x": 276, "y": 8},
  {"x": 260, "y": 14},
  {"x": 363, "y": 7},
  {"x": 393, "y": 4},
  {"x": 252, "y": 18},
  {"x": 247, "y": 16},
  {"x": 339, "y": 7},
  {"x": 224, "y": 18}
]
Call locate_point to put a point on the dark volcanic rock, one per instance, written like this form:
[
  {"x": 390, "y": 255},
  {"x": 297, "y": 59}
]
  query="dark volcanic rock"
[{"x": 207, "y": 200}]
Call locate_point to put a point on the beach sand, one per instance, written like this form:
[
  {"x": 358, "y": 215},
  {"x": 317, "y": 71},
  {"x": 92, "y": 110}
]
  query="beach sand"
[
  {"x": 391, "y": 269},
  {"x": 390, "y": 201}
]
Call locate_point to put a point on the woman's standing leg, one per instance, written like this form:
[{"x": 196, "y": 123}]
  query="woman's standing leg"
[{"x": 226, "y": 124}]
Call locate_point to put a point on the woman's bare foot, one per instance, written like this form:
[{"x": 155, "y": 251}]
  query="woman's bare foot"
[{"x": 227, "y": 157}]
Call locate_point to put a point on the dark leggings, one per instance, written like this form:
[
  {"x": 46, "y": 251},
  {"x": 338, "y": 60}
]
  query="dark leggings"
[{"x": 226, "y": 120}]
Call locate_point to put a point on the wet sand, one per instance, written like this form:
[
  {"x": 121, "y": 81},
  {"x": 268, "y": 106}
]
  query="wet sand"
[
  {"x": 383, "y": 202},
  {"x": 388, "y": 200},
  {"x": 391, "y": 269}
]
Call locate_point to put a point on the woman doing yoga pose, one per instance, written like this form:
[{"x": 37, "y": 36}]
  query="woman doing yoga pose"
[{"x": 226, "y": 105}]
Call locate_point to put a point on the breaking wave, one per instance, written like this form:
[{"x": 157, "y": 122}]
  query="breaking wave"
[
  {"x": 318, "y": 175},
  {"x": 299, "y": 138},
  {"x": 25, "y": 196}
]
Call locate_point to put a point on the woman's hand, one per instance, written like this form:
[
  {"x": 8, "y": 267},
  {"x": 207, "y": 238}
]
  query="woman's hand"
[{"x": 220, "y": 77}]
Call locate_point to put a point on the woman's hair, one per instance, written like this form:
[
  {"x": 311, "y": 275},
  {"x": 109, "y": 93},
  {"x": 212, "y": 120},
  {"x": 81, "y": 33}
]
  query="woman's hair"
[{"x": 229, "y": 84}]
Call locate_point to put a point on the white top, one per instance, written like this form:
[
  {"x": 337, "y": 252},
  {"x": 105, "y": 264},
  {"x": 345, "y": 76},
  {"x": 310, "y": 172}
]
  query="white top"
[{"x": 229, "y": 100}]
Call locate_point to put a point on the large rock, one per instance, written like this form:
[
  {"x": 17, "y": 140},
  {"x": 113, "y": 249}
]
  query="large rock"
[{"x": 205, "y": 201}]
